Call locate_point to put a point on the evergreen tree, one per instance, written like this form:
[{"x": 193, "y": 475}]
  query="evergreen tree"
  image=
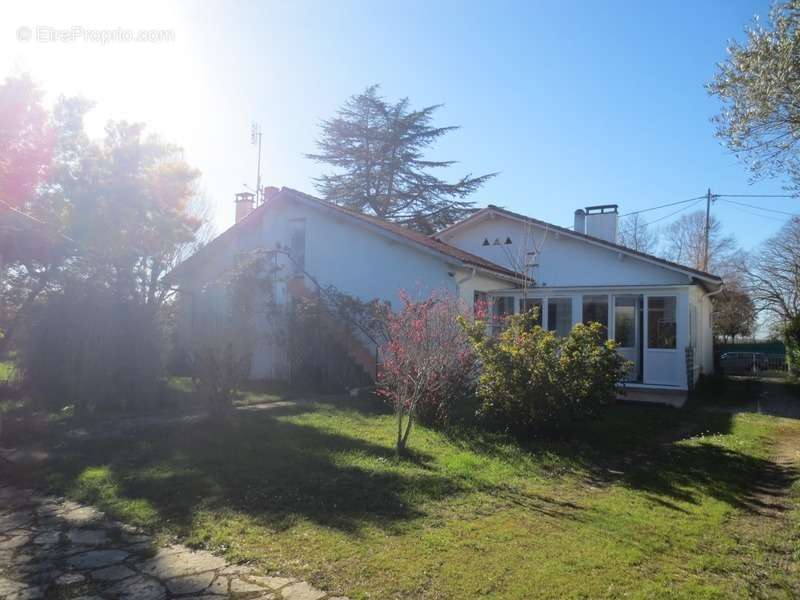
[{"x": 378, "y": 148}]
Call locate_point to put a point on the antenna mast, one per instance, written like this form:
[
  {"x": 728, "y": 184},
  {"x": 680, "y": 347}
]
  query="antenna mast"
[{"x": 255, "y": 139}]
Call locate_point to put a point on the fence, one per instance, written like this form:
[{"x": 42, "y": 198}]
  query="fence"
[{"x": 750, "y": 363}]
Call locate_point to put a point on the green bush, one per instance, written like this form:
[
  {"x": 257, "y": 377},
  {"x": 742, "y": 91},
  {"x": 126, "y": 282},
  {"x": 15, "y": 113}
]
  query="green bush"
[
  {"x": 89, "y": 349},
  {"x": 531, "y": 379},
  {"x": 791, "y": 334}
]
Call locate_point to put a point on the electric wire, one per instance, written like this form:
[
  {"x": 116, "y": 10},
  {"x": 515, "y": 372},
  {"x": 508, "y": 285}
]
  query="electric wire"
[
  {"x": 680, "y": 210},
  {"x": 636, "y": 212},
  {"x": 772, "y": 210}
]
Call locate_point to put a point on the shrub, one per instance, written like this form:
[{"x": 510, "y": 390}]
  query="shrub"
[
  {"x": 222, "y": 342},
  {"x": 218, "y": 372},
  {"x": 791, "y": 335},
  {"x": 428, "y": 362},
  {"x": 531, "y": 379},
  {"x": 88, "y": 348}
]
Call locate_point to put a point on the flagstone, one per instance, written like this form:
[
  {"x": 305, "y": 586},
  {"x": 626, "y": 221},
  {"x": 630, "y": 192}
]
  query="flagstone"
[{"x": 97, "y": 558}]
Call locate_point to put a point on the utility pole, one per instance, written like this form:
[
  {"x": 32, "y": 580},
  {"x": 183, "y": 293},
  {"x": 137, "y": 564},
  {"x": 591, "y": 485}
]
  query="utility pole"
[
  {"x": 255, "y": 139},
  {"x": 707, "y": 229}
]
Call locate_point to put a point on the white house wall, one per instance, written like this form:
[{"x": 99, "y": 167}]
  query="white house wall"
[
  {"x": 350, "y": 256},
  {"x": 704, "y": 349},
  {"x": 562, "y": 260},
  {"x": 362, "y": 262}
]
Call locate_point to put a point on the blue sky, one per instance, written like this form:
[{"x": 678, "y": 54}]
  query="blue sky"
[{"x": 574, "y": 103}]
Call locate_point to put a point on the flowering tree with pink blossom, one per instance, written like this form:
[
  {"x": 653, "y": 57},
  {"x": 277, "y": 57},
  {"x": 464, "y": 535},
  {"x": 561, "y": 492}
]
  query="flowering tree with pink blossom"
[{"x": 427, "y": 360}]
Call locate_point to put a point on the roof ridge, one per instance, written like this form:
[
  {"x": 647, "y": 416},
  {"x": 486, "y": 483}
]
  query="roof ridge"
[
  {"x": 429, "y": 242},
  {"x": 432, "y": 244}
]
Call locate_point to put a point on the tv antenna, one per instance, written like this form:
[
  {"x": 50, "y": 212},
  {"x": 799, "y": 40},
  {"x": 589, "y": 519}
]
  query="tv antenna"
[{"x": 255, "y": 139}]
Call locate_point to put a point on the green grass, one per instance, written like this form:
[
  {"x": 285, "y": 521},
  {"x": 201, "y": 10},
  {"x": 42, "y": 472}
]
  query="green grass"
[
  {"x": 646, "y": 503},
  {"x": 7, "y": 371}
]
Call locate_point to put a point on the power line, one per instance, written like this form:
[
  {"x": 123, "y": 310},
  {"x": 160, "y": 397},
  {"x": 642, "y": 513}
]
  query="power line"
[
  {"x": 672, "y": 214},
  {"x": 636, "y": 212},
  {"x": 755, "y": 196},
  {"x": 772, "y": 210},
  {"x": 755, "y": 214}
]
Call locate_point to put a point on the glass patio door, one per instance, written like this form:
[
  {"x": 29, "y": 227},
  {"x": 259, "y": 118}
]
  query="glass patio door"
[{"x": 628, "y": 317}]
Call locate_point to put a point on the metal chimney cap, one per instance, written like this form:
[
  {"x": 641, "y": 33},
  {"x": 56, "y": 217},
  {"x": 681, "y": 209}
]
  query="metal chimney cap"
[{"x": 602, "y": 208}]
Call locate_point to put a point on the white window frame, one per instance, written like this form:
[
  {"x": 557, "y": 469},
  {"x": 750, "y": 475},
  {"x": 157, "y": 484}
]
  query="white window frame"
[{"x": 646, "y": 331}]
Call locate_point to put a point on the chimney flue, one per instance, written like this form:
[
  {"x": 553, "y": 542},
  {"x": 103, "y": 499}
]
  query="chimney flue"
[
  {"x": 245, "y": 202},
  {"x": 580, "y": 221}
]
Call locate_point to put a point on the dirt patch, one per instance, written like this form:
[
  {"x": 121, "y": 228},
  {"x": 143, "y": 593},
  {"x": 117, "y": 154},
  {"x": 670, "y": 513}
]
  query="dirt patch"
[
  {"x": 772, "y": 492},
  {"x": 767, "y": 535}
]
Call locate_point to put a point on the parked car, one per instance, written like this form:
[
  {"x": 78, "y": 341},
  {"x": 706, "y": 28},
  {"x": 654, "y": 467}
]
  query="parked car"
[{"x": 744, "y": 362}]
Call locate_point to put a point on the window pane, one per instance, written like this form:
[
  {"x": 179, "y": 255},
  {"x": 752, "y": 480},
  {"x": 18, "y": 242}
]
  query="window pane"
[
  {"x": 480, "y": 304},
  {"x": 559, "y": 315},
  {"x": 502, "y": 307},
  {"x": 625, "y": 322},
  {"x": 528, "y": 304},
  {"x": 595, "y": 310},
  {"x": 661, "y": 325}
]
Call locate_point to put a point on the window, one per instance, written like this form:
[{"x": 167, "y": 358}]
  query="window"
[
  {"x": 625, "y": 322},
  {"x": 297, "y": 246},
  {"x": 480, "y": 302},
  {"x": 559, "y": 315},
  {"x": 661, "y": 324},
  {"x": 595, "y": 310},
  {"x": 502, "y": 307},
  {"x": 527, "y": 304}
]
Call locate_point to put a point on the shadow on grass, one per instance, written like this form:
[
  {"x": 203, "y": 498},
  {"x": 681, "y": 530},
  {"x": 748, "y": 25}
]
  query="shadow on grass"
[
  {"x": 276, "y": 471},
  {"x": 645, "y": 448},
  {"x": 272, "y": 469}
]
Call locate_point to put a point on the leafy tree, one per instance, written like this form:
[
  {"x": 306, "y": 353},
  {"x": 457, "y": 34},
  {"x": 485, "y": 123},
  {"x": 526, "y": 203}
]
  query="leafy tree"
[
  {"x": 634, "y": 233},
  {"x": 427, "y": 361},
  {"x": 83, "y": 283},
  {"x": 26, "y": 142},
  {"x": 378, "y": 148},
  {"x": 759, "y": 85},
  {"x": 734, "y": 313},
  {"x": 117, "y": 213},
  {"x": 133, "y": 212}
]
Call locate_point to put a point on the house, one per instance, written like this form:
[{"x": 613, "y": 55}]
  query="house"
[
  {"x": 316, "y": 244},
  {"x": 658, "y": 311}
]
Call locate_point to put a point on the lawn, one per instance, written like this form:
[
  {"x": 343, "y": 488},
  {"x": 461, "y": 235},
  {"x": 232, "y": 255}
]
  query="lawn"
[
  {"x": 648, "y": 502},
  {"x": 7, "y": 371}
]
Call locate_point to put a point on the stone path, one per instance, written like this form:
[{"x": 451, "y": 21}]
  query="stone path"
[{"x": 55, "y": 548}]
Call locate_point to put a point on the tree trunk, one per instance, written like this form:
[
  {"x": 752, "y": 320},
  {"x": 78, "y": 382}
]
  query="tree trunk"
[{"x": 399, "y": 445}]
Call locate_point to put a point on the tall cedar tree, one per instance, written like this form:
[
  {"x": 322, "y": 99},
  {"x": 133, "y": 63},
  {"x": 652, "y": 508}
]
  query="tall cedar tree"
[{"x": 379, "y": 148}]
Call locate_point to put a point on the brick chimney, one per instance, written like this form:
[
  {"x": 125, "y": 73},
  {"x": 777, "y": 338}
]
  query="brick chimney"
[{"x": 245, "y": 202}]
